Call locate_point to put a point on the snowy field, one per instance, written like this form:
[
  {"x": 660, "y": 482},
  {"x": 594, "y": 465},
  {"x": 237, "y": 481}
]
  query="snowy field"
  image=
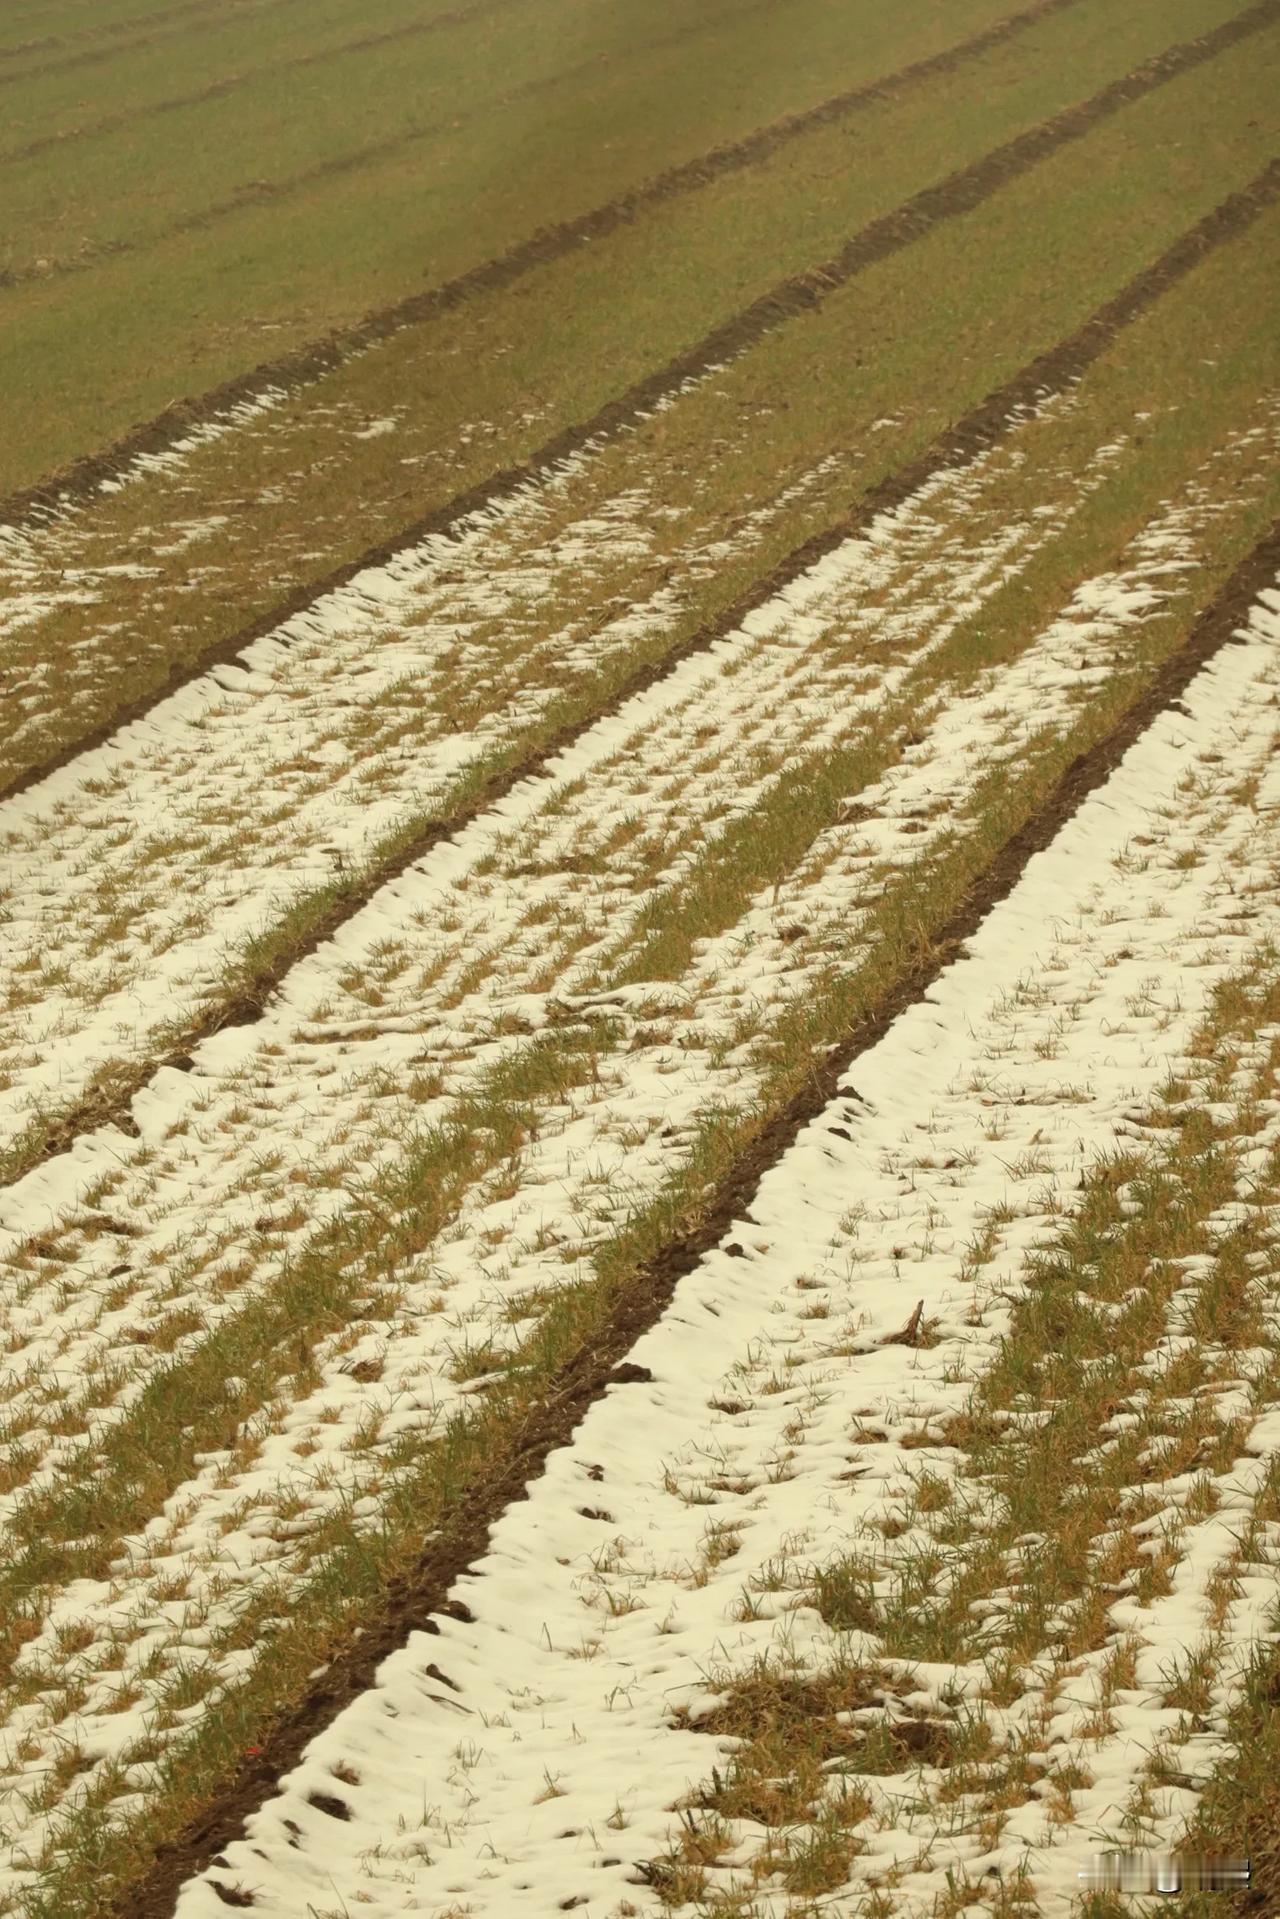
[
  {"x": 1072, "y": 1007},
  {"x": 640, "y": 977},
  {"x": 527, "y": 1760}
]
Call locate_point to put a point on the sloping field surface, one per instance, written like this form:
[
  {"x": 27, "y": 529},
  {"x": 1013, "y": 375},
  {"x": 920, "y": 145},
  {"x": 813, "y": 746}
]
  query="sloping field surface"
[{"x": 640, "y": 968}]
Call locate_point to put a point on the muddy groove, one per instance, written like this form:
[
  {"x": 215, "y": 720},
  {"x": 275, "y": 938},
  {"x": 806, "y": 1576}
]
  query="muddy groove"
[
  {"x": 1049, "y": 373},
  {"x": 308, "y": 363},
  {"x": 464, "y": 1538}
]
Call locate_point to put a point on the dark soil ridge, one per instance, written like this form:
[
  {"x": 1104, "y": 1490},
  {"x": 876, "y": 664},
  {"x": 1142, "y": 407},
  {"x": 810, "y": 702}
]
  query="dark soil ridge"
[
  {"x": 958, "y": 193},
  {"x": 464, "y": 1537},
  {"x": 305, "y": 364},
  {"x": 1048, "y": 374}
]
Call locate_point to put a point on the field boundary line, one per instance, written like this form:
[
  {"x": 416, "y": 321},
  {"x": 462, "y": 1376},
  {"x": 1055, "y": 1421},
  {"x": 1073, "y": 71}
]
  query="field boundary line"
[
  {"x": 600, "y": 1358},
  {"x": 984, "y": 426},
  {"x": 309, "y": 362}
]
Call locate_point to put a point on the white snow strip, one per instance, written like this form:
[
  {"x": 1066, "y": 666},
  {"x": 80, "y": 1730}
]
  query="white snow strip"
[
  {"x": 318, "y": 1086},
  {"x": 143, "y": 466},
  {"x": 271, "y": 778}
]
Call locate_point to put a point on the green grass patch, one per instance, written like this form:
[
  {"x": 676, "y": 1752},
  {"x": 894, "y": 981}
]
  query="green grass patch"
[
  {"x": 766, "y": 420},
  {"x": 1078, "y": 1352},
  {"x": 208, "y": 305}
]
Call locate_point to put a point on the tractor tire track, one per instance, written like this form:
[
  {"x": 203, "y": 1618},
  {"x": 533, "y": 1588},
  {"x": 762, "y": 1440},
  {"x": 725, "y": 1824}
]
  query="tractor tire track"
[
  {"x": 462, "y": 1542},
  {"x": 1050, "y": 373}
]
